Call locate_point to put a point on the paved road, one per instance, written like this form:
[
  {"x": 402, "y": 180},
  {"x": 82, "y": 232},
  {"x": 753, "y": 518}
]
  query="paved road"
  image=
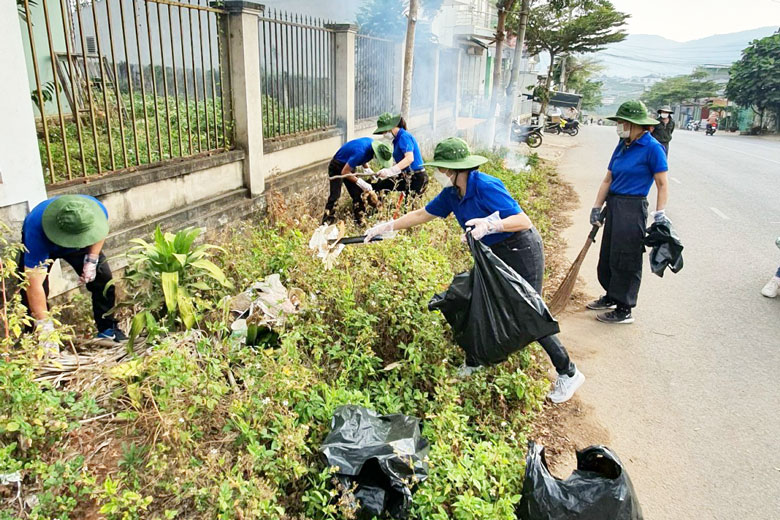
[{"x": 689, "y": 395}]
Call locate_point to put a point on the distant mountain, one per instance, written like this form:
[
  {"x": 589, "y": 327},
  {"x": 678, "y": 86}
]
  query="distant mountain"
[{"x": 644, "y": 54}]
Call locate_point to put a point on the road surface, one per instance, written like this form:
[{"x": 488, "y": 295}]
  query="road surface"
[{"x": 689, "y": 395}]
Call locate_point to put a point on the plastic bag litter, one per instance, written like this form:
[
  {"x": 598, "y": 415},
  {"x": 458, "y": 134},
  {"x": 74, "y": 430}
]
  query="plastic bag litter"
[
  {"x": 383, "y": 457},
  {"x": 599, "y": 489},
  {"x": 492, "y": 310},
  {"x": 324, "y": 242},
  {"x": 264, "y": 305},
  {"x": 666, "y": 249}
]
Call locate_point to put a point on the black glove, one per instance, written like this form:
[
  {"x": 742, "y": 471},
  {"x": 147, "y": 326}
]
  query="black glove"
[{"x": 595, "y": 217}]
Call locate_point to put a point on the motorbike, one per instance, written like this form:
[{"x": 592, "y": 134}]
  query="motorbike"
[
  {"x": 566, "y": 126},
  {"x": 711, "y": 128},
  {"x": 528, "y": 134}
]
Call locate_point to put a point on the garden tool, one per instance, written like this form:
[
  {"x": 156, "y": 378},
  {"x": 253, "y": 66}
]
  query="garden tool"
[{"x": 329, "y": 241}]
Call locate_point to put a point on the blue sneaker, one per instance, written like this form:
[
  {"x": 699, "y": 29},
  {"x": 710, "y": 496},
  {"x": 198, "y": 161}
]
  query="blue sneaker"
[{"x": 112, "y": 334}]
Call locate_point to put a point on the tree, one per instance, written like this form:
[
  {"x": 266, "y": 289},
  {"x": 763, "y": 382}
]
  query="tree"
[
  {"x": 573, "y": 27},
  {"x": 754, "y": 81},
  {"x": 387, "y": 18},
  {"x": 406, "y": 89},
  {"x": 689, "y": 87},
  {"x": 579, "y": 73},
  {"x": 504, "y": 7}
]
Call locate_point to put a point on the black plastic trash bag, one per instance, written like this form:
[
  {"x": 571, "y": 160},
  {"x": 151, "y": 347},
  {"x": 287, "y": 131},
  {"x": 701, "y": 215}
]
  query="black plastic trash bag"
[
  {"x": 492, "y": 310},
  {"x": 385, "y": 455},
  {"x": 666, "y": 249},
  {"x": 599, "y": 489}
]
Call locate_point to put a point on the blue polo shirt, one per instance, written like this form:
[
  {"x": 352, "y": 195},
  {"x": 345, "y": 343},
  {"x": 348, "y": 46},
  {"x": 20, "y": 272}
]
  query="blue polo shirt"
[
  {"x": 484, "y": 196},
  {"x": 403, "y": 143},
  {"x": 39, "y": 247},
  {"x": 356, "y": 152},
  {"x": 634, "y": 166}
]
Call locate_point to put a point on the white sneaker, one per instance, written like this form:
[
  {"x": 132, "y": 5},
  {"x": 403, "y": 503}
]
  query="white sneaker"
[
  {"x": 772, "y": 288},
  {"x": 466, "y": 371},
  {"x": 565, "y": 386}
]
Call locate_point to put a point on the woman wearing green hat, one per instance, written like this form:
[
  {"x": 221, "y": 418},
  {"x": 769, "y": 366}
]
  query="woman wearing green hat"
[
  {"x": 408, "y": 174},
  {"x": 72, "y": 228},
  {"x": 354, "y": 153},
  {"x": 481, "y": 203},
  {"x": 637, "y": 162}
]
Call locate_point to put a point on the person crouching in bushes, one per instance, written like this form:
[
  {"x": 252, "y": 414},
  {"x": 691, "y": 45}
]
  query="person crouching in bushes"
[{"x": 407, "y": 175}]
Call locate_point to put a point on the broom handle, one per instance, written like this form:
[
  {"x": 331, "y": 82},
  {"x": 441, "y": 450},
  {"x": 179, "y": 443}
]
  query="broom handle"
[
  {"x": 595, "y": 229},
  {"x": 357, "y": 240}
]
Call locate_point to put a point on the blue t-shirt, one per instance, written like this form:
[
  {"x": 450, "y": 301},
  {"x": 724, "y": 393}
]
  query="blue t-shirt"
[
  {"x": 634, "y": 166},
  {"x": 356, "y": 152},
  {"x": 485, "y": 195},
  {"x": 39, "y": 247},
  {"x": 403, "y": 143}
]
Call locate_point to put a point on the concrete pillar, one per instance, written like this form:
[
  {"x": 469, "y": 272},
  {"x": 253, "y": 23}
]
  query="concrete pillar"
[
  {"x": 21, "y": 174},
  {"x": 436, "y": 56},
  {"x": 243, "y": 45},
  {"x": 345, "y": 77}
]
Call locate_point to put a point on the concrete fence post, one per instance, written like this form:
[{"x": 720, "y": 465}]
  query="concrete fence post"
[
  {"x": 436, "y": 79},
  {"x": 243, "y": 47},
  {"x": 345, "y": 76}
]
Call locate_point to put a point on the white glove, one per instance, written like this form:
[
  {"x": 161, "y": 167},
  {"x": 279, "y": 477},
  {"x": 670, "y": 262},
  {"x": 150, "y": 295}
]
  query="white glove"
[
  {"x": 482, "y": 227},
  {"x": 659, "y": 217},
  {"x": 45, "y": 328},
  {"x": 382, "y": 228},
  {"x": 368, "y": 171},
  {"x": 363, "y": 185},
  {"x": 386, "y": 173},
  {"x": 90, "y": 268}
]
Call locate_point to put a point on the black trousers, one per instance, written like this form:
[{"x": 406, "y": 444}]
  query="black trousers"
[
  {"x": 524, "y": 253},
  {"x": 412, "y": 184},
  {"x": 666, "y": 148},
  {"x": 101, "y": 303},
  {"x": 620, "y": 260},
  {"x": 358, "y": 205}
]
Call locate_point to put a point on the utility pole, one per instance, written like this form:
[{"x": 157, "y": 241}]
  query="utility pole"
[
  {"x": 406, "y": 90},
  {"x": 562, "y": 82},
  {"x": 512, "y": 88}
]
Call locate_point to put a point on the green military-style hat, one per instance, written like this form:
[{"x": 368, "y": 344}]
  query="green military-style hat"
[
  {"x": 387, "y": 122},
  {"x": 633, "y": 111},
  {"x": 382, "y": 153},
  {"x": 454, "y": 153},
  {"x": 74, "y": 221}
]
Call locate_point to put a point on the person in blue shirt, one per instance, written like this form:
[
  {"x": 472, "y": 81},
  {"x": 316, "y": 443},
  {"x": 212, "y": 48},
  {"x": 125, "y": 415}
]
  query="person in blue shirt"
[
  {"x": 481, "y": 203},
  {"x": 72, "y": 228},
  {"x": 408, "y": 174},
  {"x": 354, "y": 153},
  {"x": 638, "y": 161}
]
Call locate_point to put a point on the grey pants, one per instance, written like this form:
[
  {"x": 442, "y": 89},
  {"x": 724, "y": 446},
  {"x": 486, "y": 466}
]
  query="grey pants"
[{"x": 524, "y": 253}]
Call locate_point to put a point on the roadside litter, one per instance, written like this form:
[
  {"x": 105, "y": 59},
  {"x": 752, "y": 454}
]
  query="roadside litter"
[
  {"x": 666, "y": 248},
  {"x": 380, "y": 460},
  {"x": 599, "y": 489},
  {"x": 263, "y": 307},
  {"x": 492, "y": 310},
  {"x": 329, "y": 242}
]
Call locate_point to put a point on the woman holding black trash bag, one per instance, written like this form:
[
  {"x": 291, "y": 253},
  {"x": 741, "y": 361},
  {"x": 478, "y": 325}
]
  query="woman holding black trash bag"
[
  {"x": 637, "y": 162},
  {"x": 481, "y": 203}
]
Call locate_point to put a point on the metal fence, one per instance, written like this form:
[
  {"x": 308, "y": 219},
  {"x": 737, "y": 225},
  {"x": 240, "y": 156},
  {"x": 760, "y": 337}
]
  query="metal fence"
[
  {"x": 297, "y": 59},
  {"x": 375, "y": 62},
  {"x": 121, "y": 83}
]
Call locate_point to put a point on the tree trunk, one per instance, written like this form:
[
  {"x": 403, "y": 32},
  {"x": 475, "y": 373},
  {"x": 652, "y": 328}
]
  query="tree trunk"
[
  {"x": 545, "y": 101},
  {"x": 562, "y": 83},
  {"x": 497, "y": 69},
  {"x": 406, "y": 90},
  {"x": 512, "y": 89}
]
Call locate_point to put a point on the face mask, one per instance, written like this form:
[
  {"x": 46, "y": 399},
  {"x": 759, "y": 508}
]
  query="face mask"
[
  {"x": 664, "y": 115},
  {"x": 442, "y": 178},
  {"x": 623, "y": 132}
]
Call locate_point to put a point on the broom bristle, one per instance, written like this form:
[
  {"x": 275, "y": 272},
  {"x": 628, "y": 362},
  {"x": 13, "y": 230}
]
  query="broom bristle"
[{"x": 561, "y": 297}]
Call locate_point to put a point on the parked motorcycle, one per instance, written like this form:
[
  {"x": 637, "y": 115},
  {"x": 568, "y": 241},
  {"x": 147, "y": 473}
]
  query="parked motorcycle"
[
  {"x": 528, "y": 134},
  {"x": 711, "y": 129},
  {"x": 571, "y": 127}
]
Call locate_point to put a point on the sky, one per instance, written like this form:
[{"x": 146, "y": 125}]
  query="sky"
[{"x": 683, "y": 20}]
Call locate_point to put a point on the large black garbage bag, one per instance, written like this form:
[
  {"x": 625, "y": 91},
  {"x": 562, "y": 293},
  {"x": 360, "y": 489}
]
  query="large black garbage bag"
[
  {"x": 666, "y": 249},
  {"x": 492, "y": 310},
  {"x": 385, "y": 455},
  {"x": 599, "y": 489}
]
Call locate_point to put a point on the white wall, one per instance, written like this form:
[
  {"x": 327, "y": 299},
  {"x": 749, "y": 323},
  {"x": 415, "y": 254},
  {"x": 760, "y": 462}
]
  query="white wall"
[{"x": 21, "y": 174}]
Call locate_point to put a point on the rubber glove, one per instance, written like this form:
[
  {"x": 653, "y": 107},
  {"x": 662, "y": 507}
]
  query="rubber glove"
[
  {"x": 386, "y": 173},
  {"x": 659, "y": 217},
  {"x": 382, "y": 228},
  {"x": 45, "y": 328},
  {"x": 89, "y": 271},
  {"x": 481, "y": 227},
  {"x": 368, "y": 171},
  {"x": 363, "y": 185},
  {"x": 595, "y": 217}
]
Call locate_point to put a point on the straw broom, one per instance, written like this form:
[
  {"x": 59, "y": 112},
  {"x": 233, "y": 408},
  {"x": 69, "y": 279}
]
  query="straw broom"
[{"x": 561, "y": 297}]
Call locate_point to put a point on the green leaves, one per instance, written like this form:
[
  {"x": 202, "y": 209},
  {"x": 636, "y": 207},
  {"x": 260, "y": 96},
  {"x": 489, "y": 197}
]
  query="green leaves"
[{"x": 755, "y": 79}]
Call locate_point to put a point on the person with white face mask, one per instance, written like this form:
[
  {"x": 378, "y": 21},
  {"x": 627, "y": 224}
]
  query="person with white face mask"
[
  {"x": 407, "y": 175},
  {"x": 663, "y": 130},
  {"x": 637, "y": 162}
]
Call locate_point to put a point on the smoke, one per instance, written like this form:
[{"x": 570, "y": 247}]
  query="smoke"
[{"x": 517, "y": 162}]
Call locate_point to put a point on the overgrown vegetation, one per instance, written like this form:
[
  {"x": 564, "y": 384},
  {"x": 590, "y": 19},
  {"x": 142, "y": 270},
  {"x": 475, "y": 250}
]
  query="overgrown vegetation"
[{"x": 207, "y": 427}]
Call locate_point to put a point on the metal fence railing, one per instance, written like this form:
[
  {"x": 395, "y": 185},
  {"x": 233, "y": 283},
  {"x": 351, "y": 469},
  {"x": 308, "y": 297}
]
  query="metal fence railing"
[
  {"x": 122, "y": 83},
  {"x": 297, "y": 60},
  {"x": 375, "y": 63}
]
